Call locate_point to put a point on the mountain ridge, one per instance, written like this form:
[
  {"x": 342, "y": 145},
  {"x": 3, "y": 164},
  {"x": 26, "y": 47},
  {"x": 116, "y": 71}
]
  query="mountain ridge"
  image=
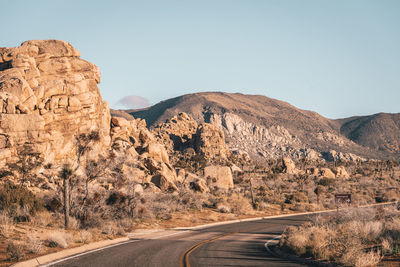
[{"x": 306, "y": 129}]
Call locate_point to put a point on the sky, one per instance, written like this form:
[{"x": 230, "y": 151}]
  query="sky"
[{"x": 339, "y": 58}]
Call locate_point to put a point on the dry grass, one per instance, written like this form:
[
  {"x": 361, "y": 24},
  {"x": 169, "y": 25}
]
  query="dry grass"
[
  {"x": 15, "y": 251},
  {"x": 58, "y": 239},
  {"x": 34, "y": 244},
  {"x": 354, "y": 237},
  {"x": 85, "y": 237},
  {"x": 6, "y": 225}
]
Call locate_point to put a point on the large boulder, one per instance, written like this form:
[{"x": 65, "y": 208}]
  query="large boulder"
[
  {"x": 341, "y": 172},
  {"x": 48, "y": 97},
  {"x": 288, "y": 166},
  {"x": 219, "y": 176},
  {"x": 210, "y": 142},
  {"x": 327, "y": 173}
]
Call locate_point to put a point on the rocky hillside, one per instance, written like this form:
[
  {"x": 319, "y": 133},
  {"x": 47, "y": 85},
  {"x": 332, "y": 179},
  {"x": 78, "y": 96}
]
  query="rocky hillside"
[
  {"x": 265, "y": 127},
  {"x": 379, "y": 131}
]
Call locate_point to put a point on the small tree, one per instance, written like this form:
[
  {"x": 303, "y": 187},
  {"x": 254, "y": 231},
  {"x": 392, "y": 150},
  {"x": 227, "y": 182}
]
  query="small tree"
[{"x": 28, "y": 161}]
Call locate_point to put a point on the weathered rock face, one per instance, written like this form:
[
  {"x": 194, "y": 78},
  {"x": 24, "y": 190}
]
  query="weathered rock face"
[
  {"x": 210, "y": 141},
  {"x": 182, "y": 132},
  {"x": 219, "y": 177},
  {"x": 260, "y": 141},
  {"x": 48, "y": 96},
  {"x": 341, "y": 172},
  {"x": 138, "y": 146},
  {"x": 327, "y": 173},
  {"x": 333, "y": 155},
  {"x": 176, "y": 133},
  {"x": 288, "y": 166}
]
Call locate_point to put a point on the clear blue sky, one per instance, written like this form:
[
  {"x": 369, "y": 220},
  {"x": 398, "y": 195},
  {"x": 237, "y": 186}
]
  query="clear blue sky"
[{"x": 339, "y": 58}]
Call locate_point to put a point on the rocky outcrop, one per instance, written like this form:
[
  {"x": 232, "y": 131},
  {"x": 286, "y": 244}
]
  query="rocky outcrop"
[
  {"x": 177, "y": 132},
  {"x": 333, "y": 155},
  {"x": 48, "y": 96},
  {"x": 341, "y": 172},
  {"x": 182, "y": 132},
  {"x": 210, "y": 142},
  {"x": 327, "y": 173},
  {"x": 218, "y": 177},
  {"x": 259, "y": 141},
  {"x": 288, "y": 166},
  {"x": 134, "y": 142}
]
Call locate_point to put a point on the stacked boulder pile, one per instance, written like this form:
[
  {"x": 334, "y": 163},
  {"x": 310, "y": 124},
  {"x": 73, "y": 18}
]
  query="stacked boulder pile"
[{"x": 48, "y": 95}]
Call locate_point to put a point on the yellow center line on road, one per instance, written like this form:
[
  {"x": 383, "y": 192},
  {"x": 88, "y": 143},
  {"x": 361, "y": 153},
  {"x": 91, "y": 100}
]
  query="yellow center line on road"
[{"x": 184, "y": 258}]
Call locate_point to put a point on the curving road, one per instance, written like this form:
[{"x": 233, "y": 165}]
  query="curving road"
[{"x": 235, "y": 244}]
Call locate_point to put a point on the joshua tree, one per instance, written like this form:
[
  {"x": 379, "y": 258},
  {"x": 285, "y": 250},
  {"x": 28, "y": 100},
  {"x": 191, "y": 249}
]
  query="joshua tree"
[
  {"x": 84, "y": 144},
  {"x": 66, "y": 174}
]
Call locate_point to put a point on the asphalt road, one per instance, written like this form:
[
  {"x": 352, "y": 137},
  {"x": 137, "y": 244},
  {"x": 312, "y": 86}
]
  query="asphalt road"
[{"x": 236, "y": 244}]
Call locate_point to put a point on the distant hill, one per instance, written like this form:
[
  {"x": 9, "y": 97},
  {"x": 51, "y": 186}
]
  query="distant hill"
[
  {"x": 268, "y": 127},
  {"x": 379, "y": 131}
]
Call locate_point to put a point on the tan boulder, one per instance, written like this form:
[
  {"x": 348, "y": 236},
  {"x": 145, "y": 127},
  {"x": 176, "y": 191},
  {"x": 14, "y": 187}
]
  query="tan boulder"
[
  {"x": 199, "y": 185},
  {"x": 288, "y": 166},
  {"x": 236, "y": 169},
  {"x": 219, "y": 176},
  {"x": 134, "y": 174},
  {"x": 165, "y": 183},
  {"x": 327, "y": 173},
  {"x": 341, "y": 172},
  {"x": 138, "y": 190},
  {"x": 313, "y": 171},
  {"x": 157, "y": 151}
]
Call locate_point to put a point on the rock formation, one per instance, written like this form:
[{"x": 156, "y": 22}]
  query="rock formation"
[
  {"x": 218, "y": 177},
  {"x": 150, "y": 161},
  {"x": 341, "y": 172},
  {"x": 288, "y": 166},
  {"x": 48, "y": 96},
  {"x": 327, "y": 173},
  {"x": 182, "y": 132},
  {"x": 177, "y": 132}
]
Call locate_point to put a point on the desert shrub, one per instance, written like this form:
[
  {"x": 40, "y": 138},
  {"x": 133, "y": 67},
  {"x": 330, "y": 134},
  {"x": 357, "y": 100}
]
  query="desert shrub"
[
  {"x": 239, "y": 204},
  {"x": 355, "y": 257},
  {"x": 74, "y": 223},
  {"x": 15, "y": 251},
  {"x": 85, "y": 237},
  {"x": 15, "y": 198},
  {"x": 6, "y": 224},
  {"x": 295, "y": 240},
  {"x": 34, "y": 244},
  {"x": 53, "y": 204},
  {"x": 353, "y": 237},
  {"x": 58, "y": 239},
  {"x": 298, "y": 197},
  {"x": 326, "y": 181},
  {"x": 223, "y": 208},
  {"x": 43, "y": 218},
  {"x": 109, "y": 228}
]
